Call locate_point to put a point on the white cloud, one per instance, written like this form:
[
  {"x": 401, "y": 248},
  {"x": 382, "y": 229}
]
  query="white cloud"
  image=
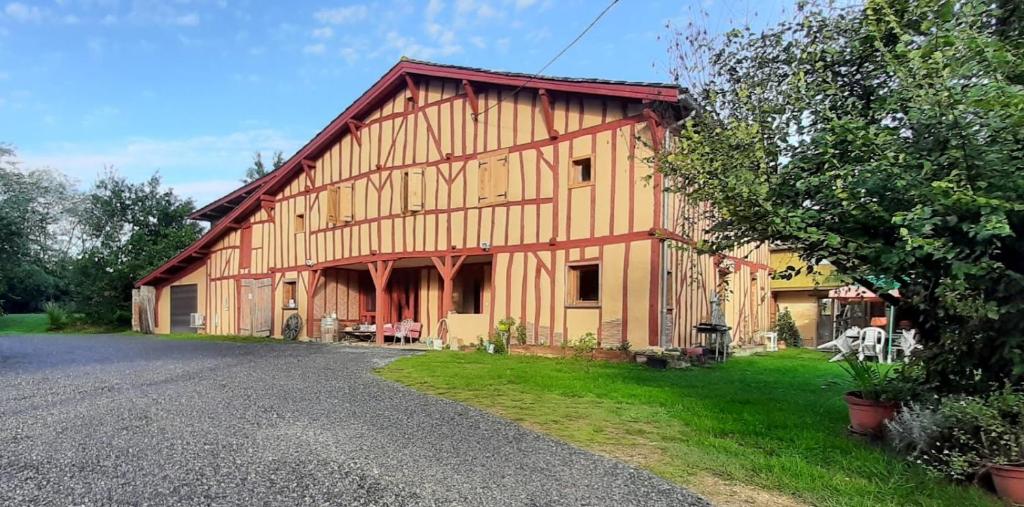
[
  {"x": 341, "y": 15},
  {"x": 323, "y": 33},
  {"x": 189, "y": 164},
  {"x": 314, "y": 49},
  {"x": 24, "y": 13},
  {"x": 522, "y": 4},
  {"x": 203, "y": 192},
  {"x": 409, "y": 47},
  {"x": 190, "y": 19}
]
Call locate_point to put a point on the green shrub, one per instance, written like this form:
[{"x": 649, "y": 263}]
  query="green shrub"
[
  {"x": 585, "y": 344},
  {"x": 521, "y": 334},
  {"x": 58, "y": 316},
  {"x": 959, "y": 436},
  {"x": 786, "y": 329}
]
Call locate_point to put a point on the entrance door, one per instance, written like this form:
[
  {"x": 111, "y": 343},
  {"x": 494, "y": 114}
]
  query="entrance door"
[
  {"x": 255, "y": 310},
  {"x": 184, "y": 302},
  {"x": 824, "y": 321}
]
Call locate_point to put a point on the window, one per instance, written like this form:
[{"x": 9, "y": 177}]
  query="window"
[
  {"x": 300, "y": 223},
  {"x": 492, "y": 178},
  {"x": 584, "y": 285},
  {"x": 289, "y": 294},
  {"x": 582, "y": 171}
]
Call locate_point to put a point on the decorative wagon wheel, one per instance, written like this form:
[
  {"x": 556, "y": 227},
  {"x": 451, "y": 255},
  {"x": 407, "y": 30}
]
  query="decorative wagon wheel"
[{"x": 292, "y": 327}]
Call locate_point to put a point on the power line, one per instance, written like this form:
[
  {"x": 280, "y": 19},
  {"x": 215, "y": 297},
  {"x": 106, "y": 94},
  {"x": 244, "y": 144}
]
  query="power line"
[{"x": 556, "y": 57}]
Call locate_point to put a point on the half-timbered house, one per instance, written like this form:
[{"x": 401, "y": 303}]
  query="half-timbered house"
[{"x": 467, "y": 195}]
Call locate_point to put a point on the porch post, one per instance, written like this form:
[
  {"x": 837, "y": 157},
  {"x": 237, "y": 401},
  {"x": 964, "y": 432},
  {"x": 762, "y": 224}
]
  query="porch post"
[
  {"x": 314, "y": 279},
  {"x": 380, "y": 271},
  {"x": 448, "y": 269}
]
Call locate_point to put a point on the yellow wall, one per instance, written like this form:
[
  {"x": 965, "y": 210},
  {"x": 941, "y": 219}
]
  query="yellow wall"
[
  {"x": 803, "y": 306},
  {"x": 197, "y": 277},
  {"x": 542, "y": 224},
  {"x": 823, "y": 275}
]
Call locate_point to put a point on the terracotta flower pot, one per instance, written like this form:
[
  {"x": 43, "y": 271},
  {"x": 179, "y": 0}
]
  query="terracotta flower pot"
[
  {"x": 1009, "y": 481},
  {"x": 866, "y": 416}
]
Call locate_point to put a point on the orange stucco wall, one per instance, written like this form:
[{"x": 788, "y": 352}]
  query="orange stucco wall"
[{"x": 542, "y": 223}]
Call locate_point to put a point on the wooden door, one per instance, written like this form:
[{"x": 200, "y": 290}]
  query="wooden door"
[
  {"x": 245, "y": 308},
  {"x": 255, "y": 314},
  {"x": 262, "y": 310}
]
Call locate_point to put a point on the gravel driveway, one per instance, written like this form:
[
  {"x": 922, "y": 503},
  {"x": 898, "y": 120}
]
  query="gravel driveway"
[{"x": 99, "y": 420}]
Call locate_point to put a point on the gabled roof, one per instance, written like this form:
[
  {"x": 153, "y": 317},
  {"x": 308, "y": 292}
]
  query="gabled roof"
[{"x": 248, "y": 196}]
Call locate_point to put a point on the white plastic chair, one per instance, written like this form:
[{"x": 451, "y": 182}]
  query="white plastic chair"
[
  {"x": 402, "y": 330},
  {"x": 872, "y": 343},
  {"x": 772, "y": 339},
  {"x": 843, "y": 343},
  {"x": 908, "y": 343}
]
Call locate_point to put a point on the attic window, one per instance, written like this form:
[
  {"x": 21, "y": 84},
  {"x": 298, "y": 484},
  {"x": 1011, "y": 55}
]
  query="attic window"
[
  {"x": 300, "y": 223},
  {"x": 582, "y": 171}
]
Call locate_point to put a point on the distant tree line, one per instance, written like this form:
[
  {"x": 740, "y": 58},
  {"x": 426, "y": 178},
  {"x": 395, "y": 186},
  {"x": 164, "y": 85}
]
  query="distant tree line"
[{"x": 84, "y": 250}]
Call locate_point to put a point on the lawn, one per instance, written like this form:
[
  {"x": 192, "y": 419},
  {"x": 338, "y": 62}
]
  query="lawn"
[
  {"x": 37, "y": 323},
  {"x": 763, "y": 430},
  {"x": 24, "y": 323}
]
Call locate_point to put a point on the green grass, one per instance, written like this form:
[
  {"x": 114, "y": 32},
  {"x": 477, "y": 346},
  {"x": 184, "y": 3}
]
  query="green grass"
[
  {"x": 37, "y": 323},
  {"x": 762, "y": 430},
  {"x": 24, "y": 323}
]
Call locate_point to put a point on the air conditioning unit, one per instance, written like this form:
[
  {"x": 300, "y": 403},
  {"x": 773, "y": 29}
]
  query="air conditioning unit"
[{"x": 196, "y": 320}]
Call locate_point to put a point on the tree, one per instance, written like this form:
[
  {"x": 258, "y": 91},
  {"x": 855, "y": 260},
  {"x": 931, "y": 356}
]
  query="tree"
[
  {"x": 34, "y": 206},
  {"x": 257, "y": 170},
  {"x": 128, "y": 230},
  {"x": 886, "y": 138},
  {"x": 786, "y": 328}
]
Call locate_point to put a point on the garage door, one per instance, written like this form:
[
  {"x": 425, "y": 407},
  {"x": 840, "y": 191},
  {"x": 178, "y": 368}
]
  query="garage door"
[{"x": 184, "y": 301}]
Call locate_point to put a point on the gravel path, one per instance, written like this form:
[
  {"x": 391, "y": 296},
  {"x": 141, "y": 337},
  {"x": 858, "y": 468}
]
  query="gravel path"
[{"x": 100, "y": 420}]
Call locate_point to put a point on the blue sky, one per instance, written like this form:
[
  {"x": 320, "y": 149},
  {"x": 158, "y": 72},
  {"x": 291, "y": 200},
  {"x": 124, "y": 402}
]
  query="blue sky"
[{"x": 191, "y": 88}]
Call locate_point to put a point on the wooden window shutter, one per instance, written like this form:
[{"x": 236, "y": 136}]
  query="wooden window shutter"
[
  {"x": 415, "y": 189},
  {"x": 345, "y": 203},
  {"x": 332, "y": 205},
  {"x": 245, "y": 248},
  {"x": 484, "y": 181},
  {"x": 498, "y": 172}
]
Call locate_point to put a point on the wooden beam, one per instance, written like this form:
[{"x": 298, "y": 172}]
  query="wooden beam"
[
  {"x": 413, "y": 91},
  {"x": 314, "y": 279},
  {"x": 549, "y": 115},
  {"x": 471, "y": 98},
  {"x": 654, "y": 125},
  {"x": 309, "y": 167},
  {"x": 353, "y": 128},
  {"x": 380, "y": 272}
]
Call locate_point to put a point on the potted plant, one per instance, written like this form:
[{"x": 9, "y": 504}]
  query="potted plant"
[
  {"x": 869, "y": 402},
  {"x": 1000, "y": 421}
]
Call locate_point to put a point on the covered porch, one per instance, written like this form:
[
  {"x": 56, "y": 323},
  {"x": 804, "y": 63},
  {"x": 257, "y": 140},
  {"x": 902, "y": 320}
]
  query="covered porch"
[{"x": 443, "y": 296}]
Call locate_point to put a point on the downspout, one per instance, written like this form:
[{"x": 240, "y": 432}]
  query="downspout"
[{"x": 687, "y": 106}]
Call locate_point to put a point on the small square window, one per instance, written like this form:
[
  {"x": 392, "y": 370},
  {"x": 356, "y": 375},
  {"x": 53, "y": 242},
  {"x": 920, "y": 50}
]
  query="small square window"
[
  {"x": 582, "y": 171},
  {"x": 289, "y": 294},
  {"x": 300, "y": 223},
  {"x": 585, "y": 285}
]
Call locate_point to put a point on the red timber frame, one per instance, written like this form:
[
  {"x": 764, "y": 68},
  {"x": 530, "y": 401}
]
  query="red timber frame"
[
  {"x": 449, "y": 260},
  {"x": 387, "y": 84}
]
